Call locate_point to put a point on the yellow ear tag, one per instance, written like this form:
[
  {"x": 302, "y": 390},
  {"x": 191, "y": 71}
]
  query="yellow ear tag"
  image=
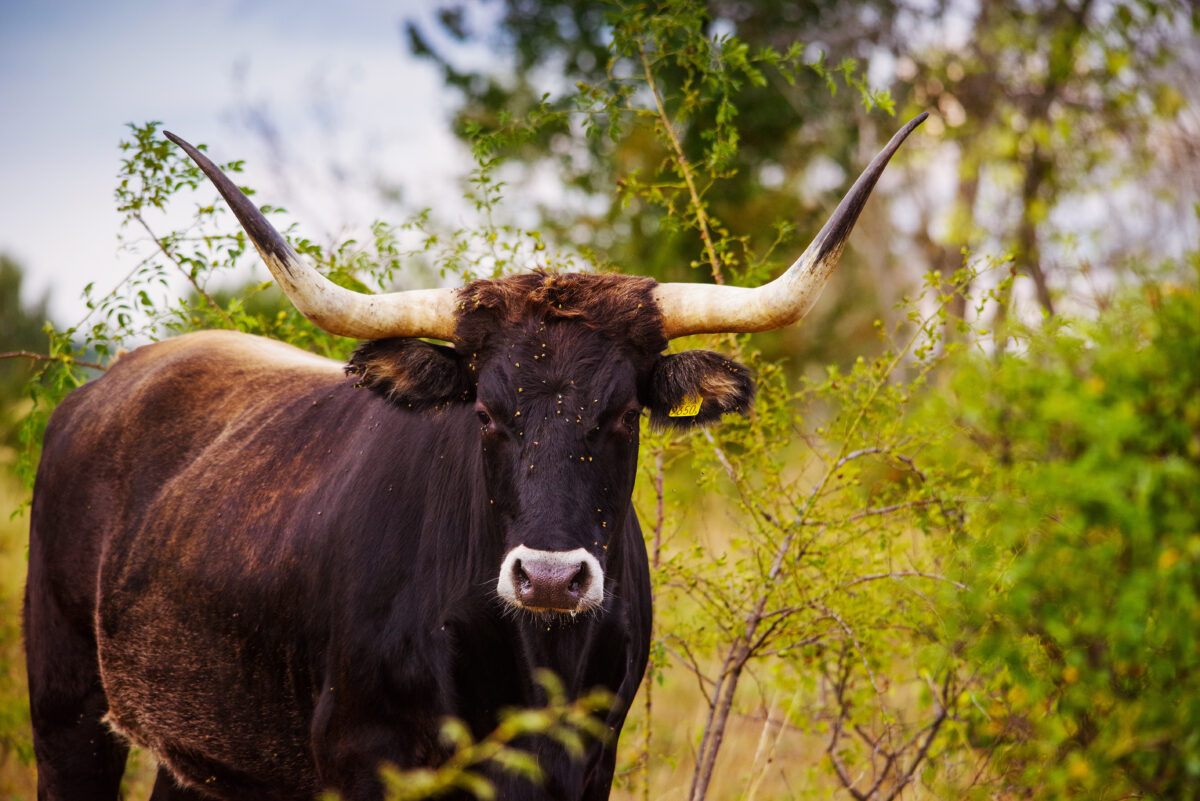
[{"x": 688, "y": 407}]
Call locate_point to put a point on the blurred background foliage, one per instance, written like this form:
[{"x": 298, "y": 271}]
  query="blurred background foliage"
[
  {"x": 953, "y": 551},
  {"x": 1053, "y": 120},
  {"x": 1084, "y": 588}
]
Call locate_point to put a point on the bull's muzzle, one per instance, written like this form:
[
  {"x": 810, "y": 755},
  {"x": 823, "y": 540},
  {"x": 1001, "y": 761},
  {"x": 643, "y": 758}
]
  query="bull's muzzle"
[{"x": 551, "y": 581}]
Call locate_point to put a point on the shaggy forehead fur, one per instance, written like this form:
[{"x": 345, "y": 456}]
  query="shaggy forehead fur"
[{"x": 617, "y": 306}]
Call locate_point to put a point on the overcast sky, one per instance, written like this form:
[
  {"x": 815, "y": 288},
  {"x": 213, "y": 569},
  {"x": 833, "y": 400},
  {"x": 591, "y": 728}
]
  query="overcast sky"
[{"x": 73, "y": 72}]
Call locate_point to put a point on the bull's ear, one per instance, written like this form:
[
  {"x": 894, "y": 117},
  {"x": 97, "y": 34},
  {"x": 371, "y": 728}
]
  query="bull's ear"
[
  {"x": 411, "y": 372},
  {"x": 697, "y": 387}
]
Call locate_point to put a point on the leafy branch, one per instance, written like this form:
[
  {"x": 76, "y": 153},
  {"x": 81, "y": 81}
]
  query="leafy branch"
[
  {"x": 568, "y": 723},
  {"x": 42, "y": 357}
]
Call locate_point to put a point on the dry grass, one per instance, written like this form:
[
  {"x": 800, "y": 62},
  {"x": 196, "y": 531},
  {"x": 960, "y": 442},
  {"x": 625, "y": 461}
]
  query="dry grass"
[
  {"x": 17, "y": 776},
  {"x": 760, "y": 759}
]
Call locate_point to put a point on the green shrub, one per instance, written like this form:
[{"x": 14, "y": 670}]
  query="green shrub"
[{"x": 1083, "y": 562}]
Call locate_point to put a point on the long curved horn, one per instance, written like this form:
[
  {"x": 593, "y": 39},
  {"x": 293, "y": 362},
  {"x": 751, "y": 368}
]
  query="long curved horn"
[
  {"x": 414, "y": 313},
  {"x": 711, "y": 309}
]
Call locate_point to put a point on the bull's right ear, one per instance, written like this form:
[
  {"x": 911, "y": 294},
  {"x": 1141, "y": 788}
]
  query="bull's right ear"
[
  {"x": 697, "y": 387},
  {"x": 411, "y": 372}
]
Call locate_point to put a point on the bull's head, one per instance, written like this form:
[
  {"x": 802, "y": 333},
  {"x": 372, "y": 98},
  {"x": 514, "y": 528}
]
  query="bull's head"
[{"x": 555, "y": 370}]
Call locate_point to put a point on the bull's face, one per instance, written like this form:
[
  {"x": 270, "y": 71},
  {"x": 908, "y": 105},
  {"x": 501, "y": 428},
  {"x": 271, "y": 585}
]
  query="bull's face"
[
  {"x": 558, "y": 412},
  {"x": 559, "y": 405}
]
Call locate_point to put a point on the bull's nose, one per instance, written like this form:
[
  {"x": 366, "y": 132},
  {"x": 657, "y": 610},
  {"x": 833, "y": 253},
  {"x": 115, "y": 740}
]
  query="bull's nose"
[
  {"x": 551, "y": 581},
  {"x": 551, "y": 584}
]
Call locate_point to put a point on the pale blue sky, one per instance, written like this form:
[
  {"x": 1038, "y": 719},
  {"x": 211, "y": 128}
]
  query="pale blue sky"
[{"x": 73, "y": 72}]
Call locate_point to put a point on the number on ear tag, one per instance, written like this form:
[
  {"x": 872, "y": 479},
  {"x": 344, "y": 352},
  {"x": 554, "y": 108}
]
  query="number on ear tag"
[{"x": 688, "y": 407}]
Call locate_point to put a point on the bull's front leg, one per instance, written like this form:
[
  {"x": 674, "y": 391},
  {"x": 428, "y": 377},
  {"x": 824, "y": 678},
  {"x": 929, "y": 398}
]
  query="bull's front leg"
[{"x": 355, "y": 733}]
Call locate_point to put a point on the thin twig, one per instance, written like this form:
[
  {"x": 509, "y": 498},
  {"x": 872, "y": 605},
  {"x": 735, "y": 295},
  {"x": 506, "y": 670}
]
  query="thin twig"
[
  {"x": 780, "y": 725},
  {"x": 721, "y": 457},
  {"x": 685, "y": 169},
  {"x": 717, "y": 711},
  {"x": 41, "y": 357},
  {"x": 842, "y": 773},
  {"x": 714, "y": 732},
  {"x": 648, "y": 714},
  {"x": 760, "y": 751},
  {"x": 186, "y": 272},
  {"x": 901, "y": 574},
  {"x": 857, "y": 647},
  {"x": 921, "y": 754},
  {"x": 659, "y": 498},
  {"x": 691, "y": 663},
  {"x": 648, "y": 709},
  {"x": 886, "y": 510}
]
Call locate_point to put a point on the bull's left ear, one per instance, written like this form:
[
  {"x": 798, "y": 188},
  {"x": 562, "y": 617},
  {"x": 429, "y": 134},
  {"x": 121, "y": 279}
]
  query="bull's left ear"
[{"x": 697, "y": 387}]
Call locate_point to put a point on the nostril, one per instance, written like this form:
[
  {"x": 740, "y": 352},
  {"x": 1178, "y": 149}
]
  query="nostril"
[
  {"x": 580, "y": 580},
  {"x": 524, "y": 583}
]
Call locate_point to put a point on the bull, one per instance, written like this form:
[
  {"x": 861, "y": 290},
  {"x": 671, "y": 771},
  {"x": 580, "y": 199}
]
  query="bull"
[{"x": 276, "y": 573}]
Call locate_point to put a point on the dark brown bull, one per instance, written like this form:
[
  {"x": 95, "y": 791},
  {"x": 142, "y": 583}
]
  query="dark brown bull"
[{"x": 276, "y": 577}]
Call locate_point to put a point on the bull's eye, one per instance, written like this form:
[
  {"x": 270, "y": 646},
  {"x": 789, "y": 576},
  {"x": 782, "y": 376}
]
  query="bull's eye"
[
  {"x": 630, "y": 419},
  {"x": 485, "y": 419}
]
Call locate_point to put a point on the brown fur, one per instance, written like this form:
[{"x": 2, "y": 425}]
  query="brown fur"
[{"x": 619, "y": 306}]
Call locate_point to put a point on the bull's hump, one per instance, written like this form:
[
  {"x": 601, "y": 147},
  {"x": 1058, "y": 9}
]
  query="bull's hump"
[{"x": 247, "y": 351}]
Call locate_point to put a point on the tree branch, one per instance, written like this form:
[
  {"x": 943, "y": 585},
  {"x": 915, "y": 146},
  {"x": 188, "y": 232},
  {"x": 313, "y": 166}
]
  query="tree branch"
[
  {"x": 171, "y": 257},
  {"x": 685, "y": 170},
  {"x": 901, "y": 574}
]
